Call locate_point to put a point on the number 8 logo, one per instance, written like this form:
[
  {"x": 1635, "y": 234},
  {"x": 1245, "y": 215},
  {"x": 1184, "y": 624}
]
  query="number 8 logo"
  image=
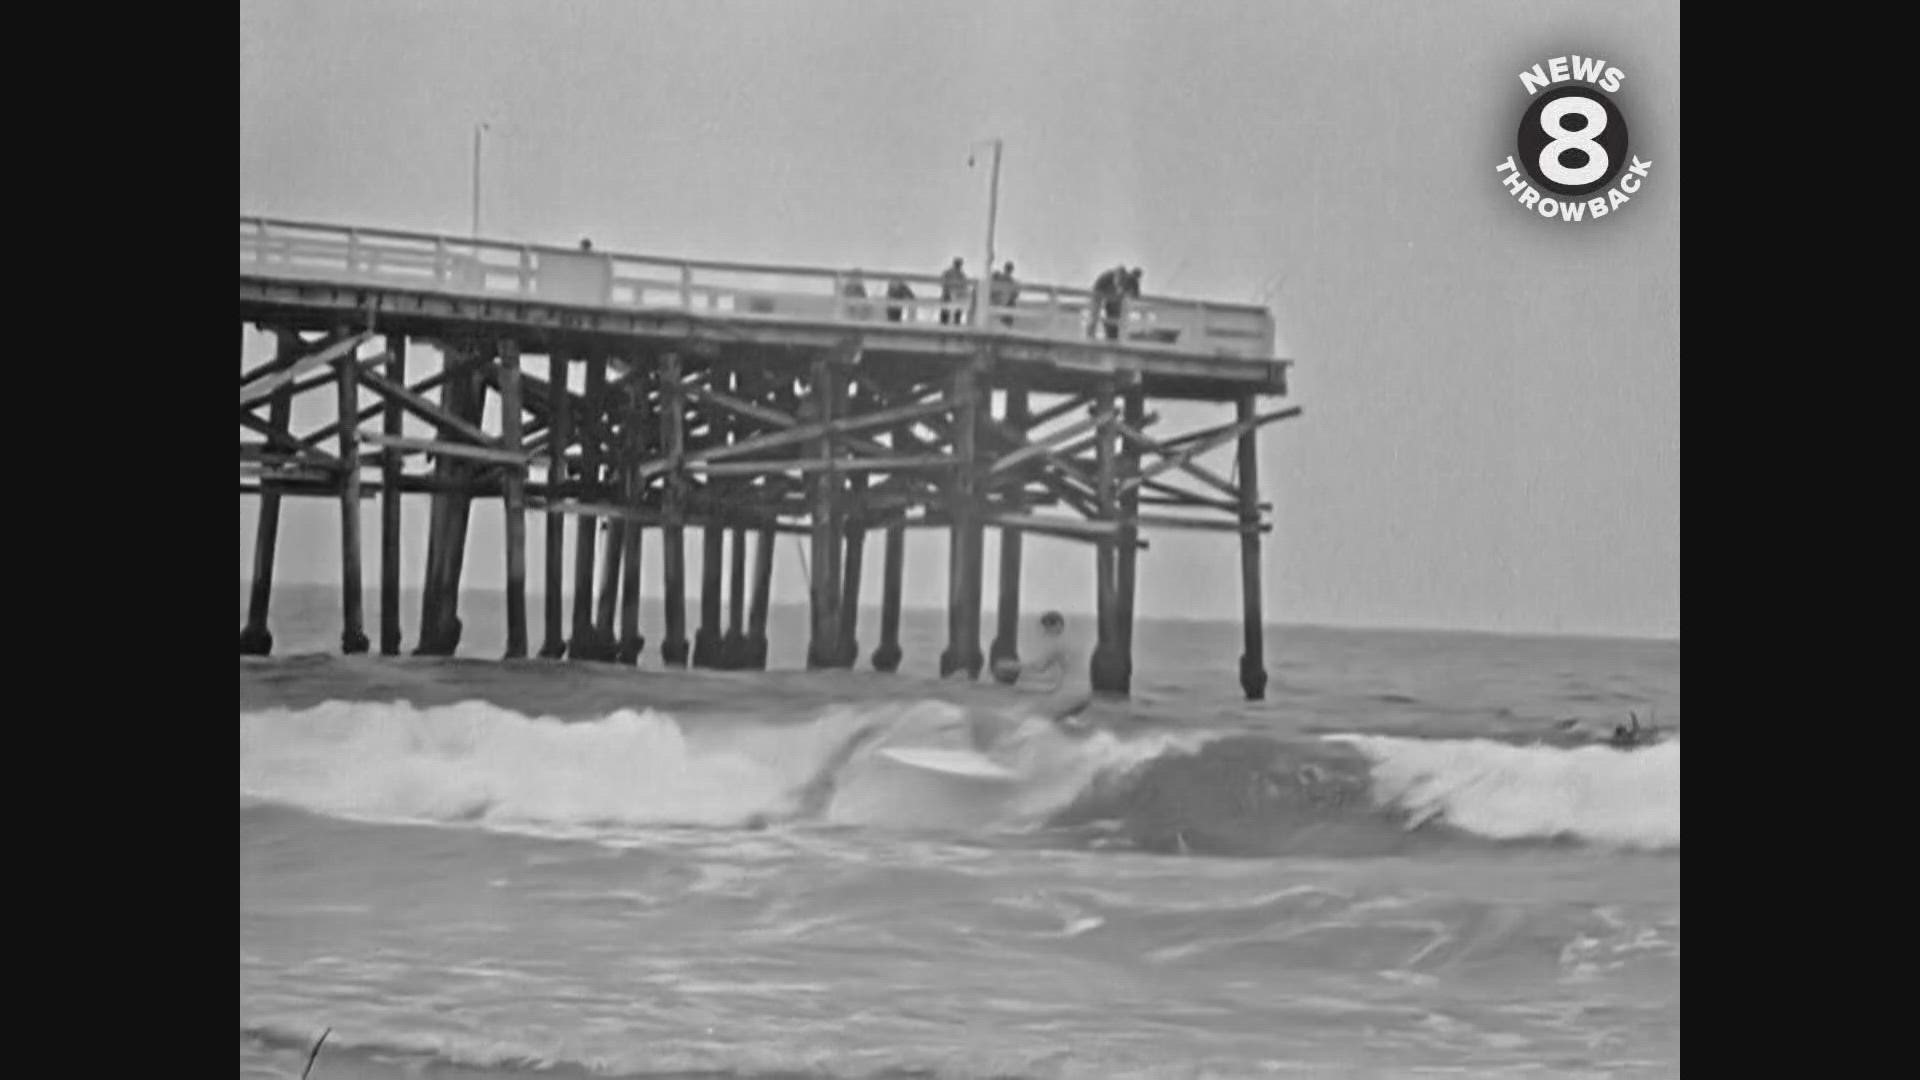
[
  {"x": 1581, "y": 139},
  {"x": 1583, "y": 125}
]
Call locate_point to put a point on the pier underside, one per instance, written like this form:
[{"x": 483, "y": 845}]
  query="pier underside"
[{"x": 667, "y": 420}]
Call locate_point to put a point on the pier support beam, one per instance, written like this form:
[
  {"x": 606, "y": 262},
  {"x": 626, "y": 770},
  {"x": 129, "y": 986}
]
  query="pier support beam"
[
  {"x": 1253, "y": 670},
  {"x": 607, "y": 605},
  {"x": 586, "y": 644},
  {"x": 255, "y": 638},
  {"x": 756, "y": 654},
  {"x": 554, "y": 644},
  {"x": 823, "y": 645},
  {"x": 1129, "y": 545},
  {"x": 390, "y": 423},
  {"x": 856, "y": 544},
  {"x": 1105, "y": 669},
  {"x": 887, "y": 657},
  {"x": 353, "y": 633},
  {"x": 964, "y": 547},
  {"x": 713, "y": 561},
  {"x": 513, "y": 496},
  {"x": 1004, "y": 655},
  {"x": 673, "y": 550},
  {"x": 733, "y": 648},
  {"x": 461, "y": 397},
  {"x": 633, "y": 439}
]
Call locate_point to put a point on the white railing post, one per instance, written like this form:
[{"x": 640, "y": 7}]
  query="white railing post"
[
  {"x": 686, "y": 287},
  {"x": 1199, "y": 325},
  {"x": 440, "y": 268},
  {"x": 526, "y": 270}
]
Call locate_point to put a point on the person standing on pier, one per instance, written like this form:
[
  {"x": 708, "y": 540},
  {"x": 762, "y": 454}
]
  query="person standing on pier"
[
  {"x": 855, "y": 288},
  {"x": 1005, "y": 292},
  {"x": 1129, "y": 292},
  {"x": 1108, "y": 289},
  {"x": 897, "y": 290},
  {"x": 953, "y": 289}
]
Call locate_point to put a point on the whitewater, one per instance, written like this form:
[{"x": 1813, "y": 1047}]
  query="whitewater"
[{"x": 1416, "y": 855}]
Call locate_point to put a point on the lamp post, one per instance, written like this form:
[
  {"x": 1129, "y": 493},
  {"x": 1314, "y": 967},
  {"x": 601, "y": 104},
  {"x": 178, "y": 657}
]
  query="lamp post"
[
  {"x": 477, "y": 129},
  {"x": 980, "y": 294}
]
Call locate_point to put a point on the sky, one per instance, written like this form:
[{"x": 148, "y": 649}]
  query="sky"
[{"x": 1491, "y": 427}]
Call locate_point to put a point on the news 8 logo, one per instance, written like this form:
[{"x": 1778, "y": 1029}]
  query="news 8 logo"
[{"x": 1572, "y": 143}]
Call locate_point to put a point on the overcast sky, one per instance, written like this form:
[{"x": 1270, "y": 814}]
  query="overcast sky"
[{"x": 1492, "y": 428}]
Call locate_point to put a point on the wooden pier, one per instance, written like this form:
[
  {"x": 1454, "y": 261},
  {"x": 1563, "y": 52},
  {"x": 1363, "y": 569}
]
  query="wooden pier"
[{"x": 742, "y": 402}]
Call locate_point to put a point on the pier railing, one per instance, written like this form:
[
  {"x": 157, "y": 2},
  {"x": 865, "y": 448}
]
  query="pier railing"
[{"x": 488, "y": 268}]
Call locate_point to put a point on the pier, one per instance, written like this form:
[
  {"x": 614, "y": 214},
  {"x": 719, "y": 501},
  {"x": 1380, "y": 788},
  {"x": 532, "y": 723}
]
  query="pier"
[{"x": 739, "y": 402}]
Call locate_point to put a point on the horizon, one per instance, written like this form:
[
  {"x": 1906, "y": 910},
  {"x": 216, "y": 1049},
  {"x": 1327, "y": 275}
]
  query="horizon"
[{"x": 987, "y": 616}]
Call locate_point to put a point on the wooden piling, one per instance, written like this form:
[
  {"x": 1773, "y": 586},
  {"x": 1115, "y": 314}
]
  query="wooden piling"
[
  {"x": 848, "y": 652},
  {"x": 255, "y": 638},
  {"x": 1104, "y": 669},
  {"x": 887, "y": 657},
  {"x": 673, "y": 551},
  {"x": 733, "y": 647},
  {"x": 607, "y": 604},
  {"x": 1004, "y": 654},
  {"x": 473, "y": 406},
  {"x": 513, "y": 495},
  {"x": 1253, "y": 671},
  {"x": 756, "y": 654},
  {"x": 1129, "y": 542},
  {"x": 823, "y": 644},
  {"x": 586, "y": 644},
  {"x": 964, "y": 549},
  {"x": 353, "y": 633},
  {"x": 713, "y": 560},
  {"x": 554, "y": 646},
  {"x": 390, "y": 462},
  {"x": 447, "y": 526},
  {"x": 633, "y": 431}
]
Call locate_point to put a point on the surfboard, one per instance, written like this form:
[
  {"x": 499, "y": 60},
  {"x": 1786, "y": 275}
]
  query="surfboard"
[{"x": 950, "y": 762}]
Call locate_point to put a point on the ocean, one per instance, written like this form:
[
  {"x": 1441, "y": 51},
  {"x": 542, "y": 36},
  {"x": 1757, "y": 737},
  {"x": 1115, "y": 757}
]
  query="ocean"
[{"x": 1410, "y": 860}]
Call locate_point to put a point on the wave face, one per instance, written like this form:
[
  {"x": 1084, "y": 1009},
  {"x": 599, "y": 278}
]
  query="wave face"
[
  {"x": 474, "y": 762},
  {"x": 1248, "y": 795},
  {"x": 1595, "y": 794}
]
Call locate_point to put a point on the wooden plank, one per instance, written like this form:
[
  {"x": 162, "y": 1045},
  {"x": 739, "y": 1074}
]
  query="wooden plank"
[
  {"x": 498, "y": 456},
  {"x": 796, "y": 435},
  {"x": 1183, "y": 459},
  {"x": 1049, "y": 444},
  {"x": 332, "y": 428},
  {"x": 445, "y": 421},
  {"x": 263, "y": 388},
  {"x": 919, "y": 462},
  {"x": 1053, "y": 523},
  {"x": 277, "y": 435}
]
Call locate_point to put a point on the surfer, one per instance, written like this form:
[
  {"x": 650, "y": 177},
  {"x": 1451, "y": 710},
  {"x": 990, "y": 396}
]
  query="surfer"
[
  {"x": 1064, "y": 698},
  {"x": 1631, "y": 735}
]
